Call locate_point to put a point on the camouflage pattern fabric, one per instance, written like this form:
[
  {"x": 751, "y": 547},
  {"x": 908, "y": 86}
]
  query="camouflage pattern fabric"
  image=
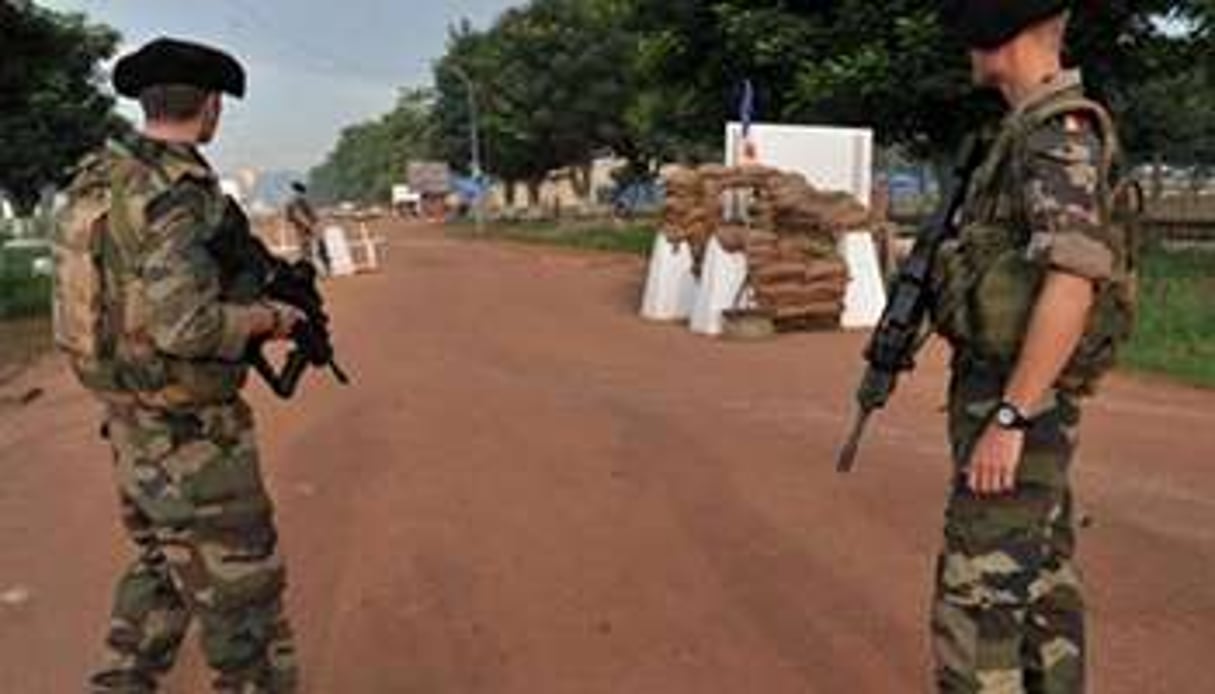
[
  {"x": 1040, "y": 202},
  {"x": 1062, "y": 199},
  {"x": 171, "y": 330},
  {"x": 303, "y": 218},
  {"x": 194, "y": 505},
  {"x": 300, "y": 214},
  {"x": 175, "y": 326},
  {"x": 1008, "y": 614}
]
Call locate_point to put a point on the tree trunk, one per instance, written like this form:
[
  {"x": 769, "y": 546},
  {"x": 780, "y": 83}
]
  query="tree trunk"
[
  {"x": 1157, "y": 177},
  {"x": 943, "y": 172},
  {"x": 533, "y": 193},
  {"x": 581, "y": 177}
]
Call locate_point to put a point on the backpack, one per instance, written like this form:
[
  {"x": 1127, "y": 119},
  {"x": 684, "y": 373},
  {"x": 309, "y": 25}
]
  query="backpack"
[
  {"x": 986, "y": 287},
  {"x": 1112, "y": 316},
  {"x": 93, "y": 249}
]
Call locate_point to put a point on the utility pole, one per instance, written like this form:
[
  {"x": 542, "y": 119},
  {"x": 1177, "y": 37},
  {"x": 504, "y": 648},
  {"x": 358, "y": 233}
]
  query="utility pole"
[{"x": 470, "y": 89}]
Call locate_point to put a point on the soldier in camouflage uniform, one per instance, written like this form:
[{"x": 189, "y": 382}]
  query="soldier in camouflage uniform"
[
  {"x": 1034, "y": 295},
  {"x": 303, "y": 219},
  {"x": 157, "y": 333}
]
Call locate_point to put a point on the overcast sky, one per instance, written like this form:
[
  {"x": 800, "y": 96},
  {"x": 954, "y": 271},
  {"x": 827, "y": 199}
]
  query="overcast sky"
[{"x": 314, "y": 66}]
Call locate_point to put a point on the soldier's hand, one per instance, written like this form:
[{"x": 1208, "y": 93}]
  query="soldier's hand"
[
  {"x": 993, "y": 465},
  {"x": 281, "y": 320}
]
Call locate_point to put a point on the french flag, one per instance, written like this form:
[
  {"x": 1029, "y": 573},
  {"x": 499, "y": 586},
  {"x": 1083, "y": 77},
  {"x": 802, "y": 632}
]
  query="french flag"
[{"x": 746, "y": 115}]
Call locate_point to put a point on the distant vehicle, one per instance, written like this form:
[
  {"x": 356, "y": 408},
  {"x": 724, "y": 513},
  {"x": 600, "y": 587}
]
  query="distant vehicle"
[
  {"x": 902, "y": 186},
  {"x": 909, "y": 184},
  {"x": 637, "y": 198}
]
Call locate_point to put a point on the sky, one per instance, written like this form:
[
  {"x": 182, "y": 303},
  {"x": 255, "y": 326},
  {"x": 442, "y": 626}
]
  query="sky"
[{"x": 314, "y": 66}]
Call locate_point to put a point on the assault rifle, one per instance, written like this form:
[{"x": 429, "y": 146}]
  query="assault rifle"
[
  {"x": 899, "y": 334},
  {"x": 295, "y": 284}
]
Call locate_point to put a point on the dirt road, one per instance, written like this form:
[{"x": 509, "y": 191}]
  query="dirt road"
[{"x": 529, "y": 490}]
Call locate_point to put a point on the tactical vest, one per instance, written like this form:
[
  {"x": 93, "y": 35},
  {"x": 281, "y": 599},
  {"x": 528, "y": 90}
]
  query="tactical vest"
[
  {"x": 986, "y": 284},
  {"x": 99, "y": 310}
]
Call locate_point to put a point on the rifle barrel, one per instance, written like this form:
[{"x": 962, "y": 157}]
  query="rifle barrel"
[
  {"x": 338, "y": 373},
  {"x": 848, "y": 453}
]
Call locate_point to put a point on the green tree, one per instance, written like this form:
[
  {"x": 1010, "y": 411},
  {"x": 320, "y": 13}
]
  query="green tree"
[
  {"x": 889, "y": 65},
  {"x": 692, "y": 58},
  {"x": 370, "y": 157},
  {"x": 53, "y": 109},
  {"x": 553, "y": 81}
]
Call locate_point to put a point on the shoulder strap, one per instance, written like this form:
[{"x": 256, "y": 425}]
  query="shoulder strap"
[
  {"x": 1114, "y": 209},
  {"x": 1106, "y": 132}
]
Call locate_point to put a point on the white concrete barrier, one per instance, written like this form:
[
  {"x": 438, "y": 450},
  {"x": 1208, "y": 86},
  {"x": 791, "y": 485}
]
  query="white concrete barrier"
[
  {"x": 721, "y": 287},
  {"x": 370, "y": 247},
  {"x": 865, "y": 298},
  {"x": 284, "y": 244},
  {"x": 341, "y": 261},
  {"x": 670, "y": 287}
]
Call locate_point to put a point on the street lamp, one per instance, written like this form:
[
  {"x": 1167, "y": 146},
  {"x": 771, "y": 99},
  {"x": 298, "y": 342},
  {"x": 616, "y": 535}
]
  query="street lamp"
[{"x": 470, "y": 89}]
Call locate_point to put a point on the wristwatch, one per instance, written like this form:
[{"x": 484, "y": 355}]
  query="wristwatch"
[{"x": 1009, "y": 417}]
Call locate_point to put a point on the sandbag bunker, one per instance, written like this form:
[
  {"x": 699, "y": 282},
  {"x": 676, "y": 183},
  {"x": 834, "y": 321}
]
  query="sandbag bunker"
[{"x": 788, "y": 232}]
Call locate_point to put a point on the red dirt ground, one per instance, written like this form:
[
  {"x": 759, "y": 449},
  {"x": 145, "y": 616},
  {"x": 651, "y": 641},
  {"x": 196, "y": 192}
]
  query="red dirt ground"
[{"x": 528, "y": 489}]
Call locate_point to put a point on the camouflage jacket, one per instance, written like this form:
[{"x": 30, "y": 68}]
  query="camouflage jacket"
[
  {"x": 300, "y": 214},
  {"x": 1039, "y": 202},
  {"x": 175, "y": 327}
]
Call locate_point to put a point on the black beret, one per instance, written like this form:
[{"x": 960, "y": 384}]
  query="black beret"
[
  {"x": 988, "y": 24},
  {"x": 171, "y": 61}
]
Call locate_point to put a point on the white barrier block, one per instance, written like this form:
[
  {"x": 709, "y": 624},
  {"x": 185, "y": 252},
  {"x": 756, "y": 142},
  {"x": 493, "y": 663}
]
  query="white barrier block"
[
  {"x": 670, "y": 287},
  {"x": 341, "y": 262},
  {"x": 831, "y": 158},
  {"x": 285, "y": 246},
  {"x": 721, "y": 281},
  {"x": 371, "y": 259},
  {"x": 370, "y": 246},
  {"x": 866, "y": 294}
]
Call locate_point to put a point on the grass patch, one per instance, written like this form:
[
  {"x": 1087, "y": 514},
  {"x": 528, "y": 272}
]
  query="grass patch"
[
  {"x": 1176, "y": 331},
  {"x": 635, "y": 239},
  {"x": 22, "y": 292}
]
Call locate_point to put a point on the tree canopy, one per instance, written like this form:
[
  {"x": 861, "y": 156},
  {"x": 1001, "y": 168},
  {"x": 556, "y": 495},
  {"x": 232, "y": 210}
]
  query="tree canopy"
[
  {"x": 553, "y": 81},
  {"x": 370, "y": 157},
  {"x": 52, "y": 108},
  {"x": 888, "y": 65},
  {"x": 556, "y": 82}
]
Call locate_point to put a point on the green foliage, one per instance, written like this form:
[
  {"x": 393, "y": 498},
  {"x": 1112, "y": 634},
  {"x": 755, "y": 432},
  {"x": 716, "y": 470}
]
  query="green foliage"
[
  {"x": 370, "y": 157},
  {"x": 22, "y": 292},
  {"x": 1176, "y": 330},
  {"x": 52, "y": 110},
  {"x": 1172, "y": 118},
  {"x": 556, "y": 82},
  {"x": 552, "y": 81},
  {"x": 889, "y": 65}
]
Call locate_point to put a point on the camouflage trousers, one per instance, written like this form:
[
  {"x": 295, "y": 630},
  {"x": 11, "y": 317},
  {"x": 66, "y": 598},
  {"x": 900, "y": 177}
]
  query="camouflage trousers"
[
  {"x": 194, "y": 505},
  {"x": 1007, "y": 616}
]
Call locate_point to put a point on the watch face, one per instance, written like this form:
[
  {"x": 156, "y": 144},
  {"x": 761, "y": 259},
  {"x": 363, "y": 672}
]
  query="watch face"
[{"x": 1005, "y": 417}]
